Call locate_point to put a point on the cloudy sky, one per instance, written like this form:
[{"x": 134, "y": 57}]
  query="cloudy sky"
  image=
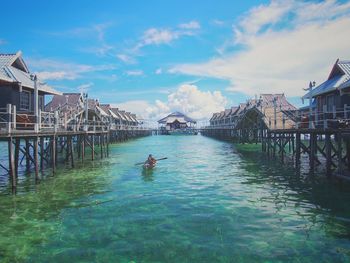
[{"x": 153, "y": 57}]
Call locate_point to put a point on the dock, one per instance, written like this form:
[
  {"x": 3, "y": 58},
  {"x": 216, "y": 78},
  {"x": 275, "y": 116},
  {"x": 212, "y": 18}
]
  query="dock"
[
  {"x": 36, "y": 146},
  {"x": 284, "y": 133}
]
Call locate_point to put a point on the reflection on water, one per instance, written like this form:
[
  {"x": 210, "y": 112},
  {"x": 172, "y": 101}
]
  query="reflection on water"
[
  {"x": 210, "y": 201},
  {"x": 147, "y": 175}
]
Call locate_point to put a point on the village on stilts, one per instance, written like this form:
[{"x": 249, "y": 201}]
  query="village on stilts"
[
  {"x": 38, "y": 132},
  {"x": 71, "y": 124},
  {"x": 175, "y": 131}
]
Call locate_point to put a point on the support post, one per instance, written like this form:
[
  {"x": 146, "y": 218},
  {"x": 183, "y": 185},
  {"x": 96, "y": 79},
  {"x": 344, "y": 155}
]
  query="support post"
[
  {"x": 42, "y": 150},
  {"x": 9, "y": 118},
  {"x": 297, "y": 149},
  {"x": 71, "y": 150},
  {"x": 328, "y": 148},
  {"x": 93, "y": 147},
  {"x": 17, "y": 145},
  {"x": 339, "y": 153},
  {"x": 53, "y": 160},
  {"x": 325, "y": 122},
  {"x": 312, "y": 151},
  {"x": 36, "y": 158},
  {"x": 12, "y": 168},
  {"x": 14, "y": 114}
]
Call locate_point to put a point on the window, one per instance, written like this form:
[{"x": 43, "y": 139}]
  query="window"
[
  {"x": 24, "y": 102},
  {"x": 41, "y": 102},
  {"x": 330, "y": 103}
]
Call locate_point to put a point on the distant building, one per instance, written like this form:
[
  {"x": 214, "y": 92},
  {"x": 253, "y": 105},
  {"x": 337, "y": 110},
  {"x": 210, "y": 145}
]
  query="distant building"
[
  {"x": 176, "y": 122},
  {"x": 17, "y": 86},
  {"x": 271, "y": 111}
]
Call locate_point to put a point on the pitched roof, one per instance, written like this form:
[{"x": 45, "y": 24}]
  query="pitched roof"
[
  {"x": 215, "y": 115},
  {"x": 116, "y": 113},
  {"x": 71, "y": 99},
  {"x": 267, "y": 100},
  {"x": 339, "y": 75},
  {"x": 176, "y": 115},
  {"x": 14, "y": 70}
]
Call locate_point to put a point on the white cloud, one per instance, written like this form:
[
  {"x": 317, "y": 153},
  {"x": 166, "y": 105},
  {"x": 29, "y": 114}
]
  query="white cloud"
[
  {"x": 188, "y": 99},
  {"x": 48, "y": 69},
  {"x": 134, "y": 72},
  {"x": 276, "y": 58},
  {"x": 158, "y": 36},
  {"x": 217, "y": 22},
  {"x": 93, "y": 33},
  {"x": 155, "y": 36},
  {"x": 84, "y": 87},
  {"x": 126, "y": 58},
  {"x": 159, "y": 71},
  {"x": 190, "y": 25},
  {"x": 56, "y": 75}
]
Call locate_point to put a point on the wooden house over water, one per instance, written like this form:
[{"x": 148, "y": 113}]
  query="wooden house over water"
[
  {"x": 250, "y": 119},
  {"x": 330, "y": 104},
  {"x": 17, "y": 84},
  {"x": 177, "y": 122},
  {"x": 21, "y": 89}
]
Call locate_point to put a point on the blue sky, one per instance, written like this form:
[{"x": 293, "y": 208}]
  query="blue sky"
[{"x": 153, "y": 57}]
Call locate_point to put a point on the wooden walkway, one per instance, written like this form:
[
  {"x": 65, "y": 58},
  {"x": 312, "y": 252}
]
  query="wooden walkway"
[
  {"x": 39, "y": 150},
  {"x": 322, "y": 147}
]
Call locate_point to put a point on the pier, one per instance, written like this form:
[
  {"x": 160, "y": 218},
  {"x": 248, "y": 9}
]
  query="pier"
[
  {"x": 34, "y": 146},
  {"x": 285, "y": 133}
]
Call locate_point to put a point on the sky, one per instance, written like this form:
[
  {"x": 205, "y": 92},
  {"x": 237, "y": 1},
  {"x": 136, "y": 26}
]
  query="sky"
[{"x": 198, "y": 57}]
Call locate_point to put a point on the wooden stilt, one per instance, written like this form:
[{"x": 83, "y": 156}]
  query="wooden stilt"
[
  {"x": 71, "y": 150},
  {"x": 297, "y": 149},
  {"x": 108, "y": 138},
  {"x": 312, "y": 152},
  {"x": 328, "y": 148},
  {"x": 83, "y": 147},
  {"x": 339, "y": 152},
  {"x": 17, "y": 147},
  {"x": 93, "y": 147},
  {"x": 101, "y": 145},
  {"x": 42, "y": 141},
  {"x": 12, "y": 168},
  {"x": 53, "y": 149},
  {"x": 36, "y": 158},
  {"x": 27, "y": 151}
]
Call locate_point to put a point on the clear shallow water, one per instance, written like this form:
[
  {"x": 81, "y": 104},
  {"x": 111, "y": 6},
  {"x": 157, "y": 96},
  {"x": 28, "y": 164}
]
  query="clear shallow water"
[{"x": 210, "y": 201}]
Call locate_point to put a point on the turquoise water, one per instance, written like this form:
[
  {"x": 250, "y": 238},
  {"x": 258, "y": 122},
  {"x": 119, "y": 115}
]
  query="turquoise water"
[{"x": 210, "y": 201}]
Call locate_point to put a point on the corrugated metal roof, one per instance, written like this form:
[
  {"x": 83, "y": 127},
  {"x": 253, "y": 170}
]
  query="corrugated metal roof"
[
  {"x": 73, "y": 99},
  {"x": 177, "y": 114},
  {"x": 345, "y": 85},
  {"x": 335, "y": 82},
  {"x": 116, "y": 112},
  {"x": 344, "y": 65},
  {"x": 14, "y": 70}
]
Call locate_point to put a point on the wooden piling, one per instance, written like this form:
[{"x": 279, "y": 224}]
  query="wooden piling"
[
  {"x": 36, "y": 158},
  {"x": 53, "y": 154},
  {"x": 17, "y": 146},
  {"x": 297, "y": 149},
  {"x": 42, "y": 150},
  {"x": 339, "y": 152},
  {"x": 93, "y": 147},
  {"x": 27, "y": 153},
  {"x": 12, "y": 165},
  {"x": 328, "y": 149}
]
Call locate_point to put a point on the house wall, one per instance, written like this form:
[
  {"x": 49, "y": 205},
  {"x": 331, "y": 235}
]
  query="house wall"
[
  {"x": 10, "y": 94},
  {"x": 5, "y": 96},
  {"x": 338, "y": 101}
]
